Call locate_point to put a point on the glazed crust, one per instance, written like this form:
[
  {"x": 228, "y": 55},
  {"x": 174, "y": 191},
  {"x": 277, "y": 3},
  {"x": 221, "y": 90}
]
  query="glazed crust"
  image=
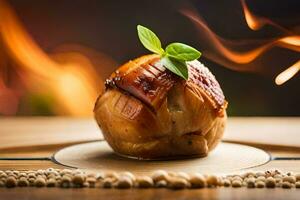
[{"x": 148, "y": 112}]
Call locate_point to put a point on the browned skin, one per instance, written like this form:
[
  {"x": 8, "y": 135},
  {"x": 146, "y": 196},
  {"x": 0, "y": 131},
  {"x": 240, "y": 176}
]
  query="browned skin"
[{"x": 148, "y": 112}]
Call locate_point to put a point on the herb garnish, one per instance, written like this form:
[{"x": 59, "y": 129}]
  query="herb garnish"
[{"x": 174, "y": 57}]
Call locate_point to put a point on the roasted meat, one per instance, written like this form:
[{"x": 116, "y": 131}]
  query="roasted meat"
[{"x": 148, "y": 112}]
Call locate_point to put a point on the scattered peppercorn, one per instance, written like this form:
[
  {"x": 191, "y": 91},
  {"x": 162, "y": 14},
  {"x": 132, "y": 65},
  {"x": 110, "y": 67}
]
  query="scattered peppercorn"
[
  {"x": 11, "y": 182},
  {"x": 67, "y": 178}
]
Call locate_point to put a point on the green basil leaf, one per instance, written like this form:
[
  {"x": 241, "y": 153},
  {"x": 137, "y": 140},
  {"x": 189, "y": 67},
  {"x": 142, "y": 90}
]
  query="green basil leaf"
[
  {"x": 149, "y": 40},
  {"x": 182, "y": 52},
  {"x": 176, "y": 66}
]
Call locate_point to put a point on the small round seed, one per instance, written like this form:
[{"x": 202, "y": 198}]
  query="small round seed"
[
  {"x": 227, "y": 182},
  {"x": 59, "y": 177},
  {"x": 40, "y": 172},
  {"x": 260, "y": 184},
  {"x": 31, "y": 175},
  {"x": 221, "y": 182},
  {"x": 3, "y": 179},
  {"x": 251, "y": 183},
  {"x": 124, "y": 182},
  {"x": 78, "y": 179},
  {"x": 65, "y": 181},
  {"x": 197, "y": 181},
  {"x": 22, "y": 174},
  {"x": 278, "y": 180},
  {"x": 40, "y": 182},
  {"x": 286, "y": 185},
  {"x": 159, "y": 175},
  {"x": 108, "y": 182},
  {"x": 269, "y": 174},
  {"x": 277, "y": 176},
  {"x": 161, "y": 184},
  {"x": 277, "y": 171},
  {"x": 3, "y": 175},
  {"x": 41, "y": 176},
  {"x": 91, "y": 181},
  {"x": 270, "y": 182},
  {"x": 12, "y": 175},
  {"x": 65, "y": 171},
  {"x": 261, "y": 178},
  {"x": 8, "y": 172},
  {"x": 55, "y": 173},
  {"x": 212, "y": 181},
  {"x": 31, "y": 181},
  {"x": 183, "y": 175},
  {"x": 175, "y": 180},
  {"x": 290, "y": 179},
  {"x": 129, "y": 175},
  {"x": 177, "y": 183},
  {"x": 2, "y": 183},
  {"x": 50, "y": 169},
  {"x": 23, "y": 182},
  {"x": 237, "y": 178},
  {"x": 16, "y": 172},
  {"x": 11, "y": 182},
  {"x": 249, "y": 174},
  {"x": 144, "y": 182},
  {"x": 297, "y": 176},
  {"x": 51, "y": 176},
  {"x": 244, "y": 175},
  {"x": 51, "y": 182},
  {"x": 236, "y": 183},
  {"x": 289, "y": 173}
]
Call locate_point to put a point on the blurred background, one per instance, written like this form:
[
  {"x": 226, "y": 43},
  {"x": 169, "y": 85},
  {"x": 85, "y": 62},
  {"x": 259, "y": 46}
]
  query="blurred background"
[{"x": 55, "y": 55}]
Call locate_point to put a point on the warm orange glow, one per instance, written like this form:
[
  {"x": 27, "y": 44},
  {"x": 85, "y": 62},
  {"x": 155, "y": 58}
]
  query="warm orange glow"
[
  {"x": 253, "y": 21},
  {"x": 69, "y": 77},
  {"x": 256, "y": 22},
  {"x": 288, "y": 73},
  {"x": 290, "y": 42},
  {"x": 21, "y": 45},
  {"x": 221, "y": 50}
]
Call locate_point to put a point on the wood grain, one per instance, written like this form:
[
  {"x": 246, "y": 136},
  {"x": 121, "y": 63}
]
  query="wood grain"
[
  {"x": 274, "y": 131},
  {"x": 39, "y": 131},
  {"x": 41, "y": 137},
  {"x": 144, "y": 194}
]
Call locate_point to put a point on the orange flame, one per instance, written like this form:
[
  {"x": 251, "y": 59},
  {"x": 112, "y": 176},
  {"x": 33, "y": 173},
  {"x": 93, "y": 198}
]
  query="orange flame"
[
  {"x": 221, "y": 50},
  {"x": 257, "y": 22},
  {"x": 288, "y": 73},
  {"x": 292, "y": 42},
  {"x": 72, "y": 80}
]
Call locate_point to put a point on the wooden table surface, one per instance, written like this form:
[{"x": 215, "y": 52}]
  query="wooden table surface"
[{"x": 27, "y": 143}]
